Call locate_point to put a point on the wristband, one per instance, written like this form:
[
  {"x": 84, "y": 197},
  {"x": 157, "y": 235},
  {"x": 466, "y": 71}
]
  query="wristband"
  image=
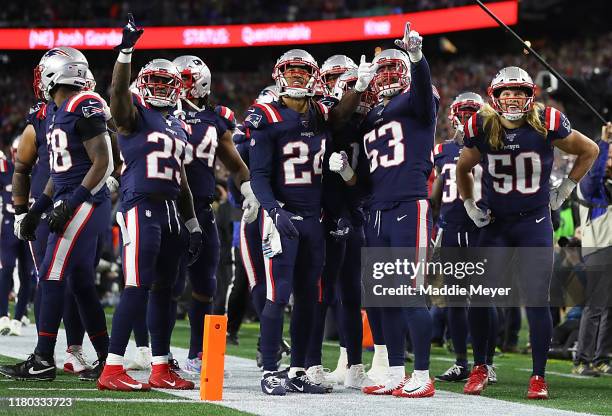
[
  {"x": 20, "y": 209},
  {"x": 79, "y": 195},
  {"x": 193, "y": 226},
  {"x": 125, "y": 56}
]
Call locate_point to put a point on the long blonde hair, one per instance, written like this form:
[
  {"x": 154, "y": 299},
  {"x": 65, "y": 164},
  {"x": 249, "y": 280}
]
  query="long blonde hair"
[{"x": 493, "y": 127}]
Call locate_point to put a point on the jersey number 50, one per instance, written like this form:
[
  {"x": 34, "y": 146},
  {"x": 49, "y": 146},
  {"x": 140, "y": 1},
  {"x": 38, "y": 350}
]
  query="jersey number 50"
[{"x": 525, "y": 178}]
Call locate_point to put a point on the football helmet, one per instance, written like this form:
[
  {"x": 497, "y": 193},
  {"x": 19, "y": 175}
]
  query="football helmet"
[
  {"x": 347, "y": 81},
  {"x": 90, "y": 81},
  {"x": 512, "y": 77},
  {"x": 159, "y": 83},
  {"x": 59, "y": 51},
  {"x": 332, "y": 68},
  {"x": 393, "y": 74},
  {"x": 268, "y": 95},
  {"x": 463, "y": 107},
  {"x": 195, "y": 75},
  {"x": 63, "y": 70},
  {"x": 302, "y": 67}
]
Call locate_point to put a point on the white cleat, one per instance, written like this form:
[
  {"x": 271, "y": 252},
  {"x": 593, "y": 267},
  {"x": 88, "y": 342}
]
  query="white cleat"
[
  {"x": 416, "y": 387},
  {"x": 25, "y": 321},
  {"x": 75, "y": 360},
  {"x": 319, "y": 375},
  {"x": 15, "y": 328},
  {"x": 5, "y": 325},
  {"x": 356, "y": 378},
  {"x": 492, "y": 375},
  {"x": 337, "y": 376},
  {"x": 142, "y": 359}
]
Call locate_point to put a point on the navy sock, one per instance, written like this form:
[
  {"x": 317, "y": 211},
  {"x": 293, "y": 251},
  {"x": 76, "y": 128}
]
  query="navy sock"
[
  {"x": 258, "y": 296},
  {"x": 271, "y": 329},
  {"x": 197, "y": 311},
  {"x": 91, "y": 312},
  {"x": 492, "y": 338},
  {"x": 419, "y": 323},
  {"x": 51, "y": 308},
  {"x": 141, "y": 332},
  {"x": 171, "y": 319},
  {"x": 158, "y": 317},
  {"x": 375, "y": 321},
  {"x": 540, "y": 333},
  {"x": 6, "y": 282},
  {"x": 479, "y": 323},
  {"x": 458, "y": 327},
  {"x": 395, "y": 330},
  {"x": 72, "y": 320},
  {"x": 336, "y": 310},
  {"x": 132, "y": 307},
  {"x": 302, "y": 317},
  {"x": 25, "y": 278},
  {"x": 352, "y": 328},
  {"x": 37, "y": 296},
  {"x": 315, "y": 343}
]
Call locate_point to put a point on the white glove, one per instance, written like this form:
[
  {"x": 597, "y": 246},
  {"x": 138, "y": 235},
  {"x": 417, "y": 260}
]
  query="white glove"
[
  {"x": 270, "y": 238},
  {"x": 112, "y": 184},
  {"x": 250, "y": 205},
  {"x": 559, "y": 194},
  {"x": 17, "y": 225},
  {"x": 477, "y": 215},
  {"x": 412, "y": 43},
  {"x": 338, "y": 162},
  {"x": 365, "y": 73}
]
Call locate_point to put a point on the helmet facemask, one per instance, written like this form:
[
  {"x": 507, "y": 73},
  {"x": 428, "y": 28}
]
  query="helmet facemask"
[
  {"x": 513, "y": 107},
  {"x": 392, "y": 77},
  {"x": 296, "y": 79},
  {"x": 159, "y": 88}
]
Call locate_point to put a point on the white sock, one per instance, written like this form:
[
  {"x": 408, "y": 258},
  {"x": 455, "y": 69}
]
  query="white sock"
[
  {"x": 114, "y": 359},
  {"x": 397, "y": 372},
  {"x": 380, "y": 356},
  {"x": 159, "y": 359},
  {"x": 343, "y": 358},
  {"x": 293, "y": 371},
  {"x": 421, "y": 375}
]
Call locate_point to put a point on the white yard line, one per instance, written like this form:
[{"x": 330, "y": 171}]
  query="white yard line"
[{"x": 242, "y": 392}]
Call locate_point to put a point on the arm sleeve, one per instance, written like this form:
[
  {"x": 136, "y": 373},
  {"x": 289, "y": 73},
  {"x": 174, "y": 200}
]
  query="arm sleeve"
[
  {"x": 422, "y": 99},
  {"x": 261, "y": 158}
]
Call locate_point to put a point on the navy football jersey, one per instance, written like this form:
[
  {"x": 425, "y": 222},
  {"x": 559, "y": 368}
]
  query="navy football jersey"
[
  {"x": 69, "y": 161},
  {"x": 6, "y": 176},
  {"x": 516, "y": 177},
  {"x": 152, "y": 156},
  {"x": 452, "y": 210},
  {"x": 40, "y": 172},
  {"x": 286, "y": 155},
  {"x": 207, "y": 127},
  {"x": 398, "y": 141},
  {"x": 242, "y": 144}
]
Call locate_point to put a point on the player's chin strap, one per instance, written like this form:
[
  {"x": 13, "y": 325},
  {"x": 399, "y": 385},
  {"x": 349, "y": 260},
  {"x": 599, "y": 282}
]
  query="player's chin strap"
[{"x": 192, "y": 105}]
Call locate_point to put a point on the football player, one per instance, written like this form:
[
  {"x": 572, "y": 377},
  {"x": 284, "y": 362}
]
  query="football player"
[
  {"x": 12, "y": 249},
  {"x": 341, "y": 277},
  {"x": 456, "y": 229},
  {"x": 514, "y": 140},
  {"x": 80, "y": 161},
  {"x": 332, "y": 68},
  {"x": 154, "y": 192},
  {"x": 398, "y": 143},
  {"x": 287, "y": 143},
  {"x": 211, "y": 129}
]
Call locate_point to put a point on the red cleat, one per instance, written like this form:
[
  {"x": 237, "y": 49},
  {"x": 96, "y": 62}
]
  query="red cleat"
[
  {"x": 385, "y": 389},
  {"x": 477, "y": 381},
  {"x": 164, "y": 378},
  {"x": 115, "y": 378},
  {"x": 416, "y": 389},
  {"x": 538, "y": 389}
]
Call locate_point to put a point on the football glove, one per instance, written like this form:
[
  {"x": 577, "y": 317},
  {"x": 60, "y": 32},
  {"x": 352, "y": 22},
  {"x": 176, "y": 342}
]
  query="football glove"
[
  {"x": 477, "y": 215},
  {"x": 365, "y": 73},
  {"x": 412, "y": 43},
  {"x": 60, "y": 216},
  {"x": 343, "y": 229},
  {"x": 270, "y": 239},
  {"x": 195, "y": 240},
  {"x": 131, "y": 34},
  {"x": 112, "y": 184},
  {"x": 338, "y": 162},
  {"x": 282, "y": 222},
  {"x": 250, "y": 205},
  {"x": 559, "y": 194},
  {"x": 25, "y": 225}
]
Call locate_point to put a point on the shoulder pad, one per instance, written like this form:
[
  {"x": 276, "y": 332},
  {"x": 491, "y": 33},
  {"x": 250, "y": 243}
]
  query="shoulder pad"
[
  {"x": 554, "y": 119},
  {"x": 87, "y": 103},
  {"x": 471, "y": 127},
  {"x": 226, "y": 113},
  {"x": 260, "y": 114}
]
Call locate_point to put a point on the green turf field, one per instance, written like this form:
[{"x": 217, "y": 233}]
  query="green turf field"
[{"x": 568, "y": 393}]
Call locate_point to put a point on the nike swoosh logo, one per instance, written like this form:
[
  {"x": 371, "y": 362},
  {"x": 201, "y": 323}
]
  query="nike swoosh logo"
[
  {"x": 402, "y": 217},
  {"x": 134, "y": 386},
  {"x": 34, "y": 372},
  {"x": 269, "y": 390},
  {"x": 540, "y": 220},
  {"x": 169, "y": 383},
  {"x": 412, "y": 391},
  {"x": 298, "y": 388}
]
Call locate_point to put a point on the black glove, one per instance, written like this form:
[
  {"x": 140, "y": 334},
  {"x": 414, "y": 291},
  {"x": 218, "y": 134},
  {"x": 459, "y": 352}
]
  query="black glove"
[
  {"x": 195, "y": 246},
  {"x": 284, "y": 225},
  {"x": 343, "y": 229},
  {"x": 27, "y": 228},
  {"x": 59, "y": 217},
  {"x": 131, "y": 34}
]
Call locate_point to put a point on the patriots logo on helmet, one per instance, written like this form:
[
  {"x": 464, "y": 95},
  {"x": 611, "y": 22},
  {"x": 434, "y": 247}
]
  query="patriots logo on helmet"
[
  {"x": 254, "y": 119},
  {"x": 55, "y": 52},
  {"x": 90, "y": 110}
]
